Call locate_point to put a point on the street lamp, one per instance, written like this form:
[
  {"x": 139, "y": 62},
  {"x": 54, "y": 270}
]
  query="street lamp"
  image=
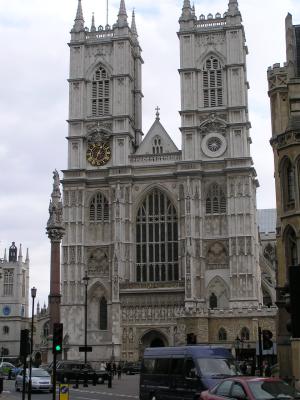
[
  {"x": 237, "y": 343},
  {"x": 33, "y": 295},
  {"x": 86, "y": 282}
]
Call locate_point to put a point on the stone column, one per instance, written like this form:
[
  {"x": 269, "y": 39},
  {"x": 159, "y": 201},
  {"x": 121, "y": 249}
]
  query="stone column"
[
  {"x": 55, "y": 232},
  {"x": 295, "y": 345}
]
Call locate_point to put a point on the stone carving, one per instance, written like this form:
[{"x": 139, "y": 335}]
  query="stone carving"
[
  {"x": 217, "y": 254},
  {"x": 213, "y": 124},
  {"x": 98, "y": 263}
]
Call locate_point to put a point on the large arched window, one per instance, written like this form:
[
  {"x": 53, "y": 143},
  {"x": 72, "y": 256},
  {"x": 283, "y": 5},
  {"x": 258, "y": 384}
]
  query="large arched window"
[
  {"x": 156, "y": 239},
  {"x": 99, "y": 208},
  {"x": 103, "y": 314},
  {"x": 100, "y": 93},
  {"x": 291, "y": 247},
  {"x": 212, "y": 83},
  {"x": 215, "y": 200}
]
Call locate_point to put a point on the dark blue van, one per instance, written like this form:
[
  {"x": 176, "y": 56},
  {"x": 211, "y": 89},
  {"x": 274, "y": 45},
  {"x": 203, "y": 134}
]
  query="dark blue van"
[{"x": 170, "y": 373}]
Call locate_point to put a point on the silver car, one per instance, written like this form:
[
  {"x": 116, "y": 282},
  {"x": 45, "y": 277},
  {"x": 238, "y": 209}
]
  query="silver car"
[{"x": 40, "y": 380}]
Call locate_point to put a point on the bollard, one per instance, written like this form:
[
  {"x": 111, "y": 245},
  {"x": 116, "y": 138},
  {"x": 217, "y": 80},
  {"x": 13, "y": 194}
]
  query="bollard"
[
  {"x": 1, "y": 384},
  {"x": 94, "y": 379}
]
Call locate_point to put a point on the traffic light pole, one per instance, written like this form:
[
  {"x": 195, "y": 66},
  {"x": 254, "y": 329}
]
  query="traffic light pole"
[{"x": 54, "y": 377}]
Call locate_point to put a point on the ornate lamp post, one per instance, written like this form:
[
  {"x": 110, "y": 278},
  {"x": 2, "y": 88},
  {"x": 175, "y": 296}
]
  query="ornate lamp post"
[
  {"x": 33, "y": 295},
  {"x": 237, "y": 343},
  {"x": 86, "y": 282}
]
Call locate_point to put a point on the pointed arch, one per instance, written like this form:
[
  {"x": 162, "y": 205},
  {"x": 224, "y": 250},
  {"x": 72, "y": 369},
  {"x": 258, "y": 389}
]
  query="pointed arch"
[
  {"x": 288, "y": 183},
  {"x": 220, "y": 289},
  {"x": 212, "y": 82},
  {"x": 100, "y": 91},
  {"x": 156, "y": 239},
  {"x": 99, "y": 208},
  {"x": 98, "y": 306},
  {"x": 291, "y": 248},
  {"x": 157, "y": 145},
  {"x": 215, "y": 202}
]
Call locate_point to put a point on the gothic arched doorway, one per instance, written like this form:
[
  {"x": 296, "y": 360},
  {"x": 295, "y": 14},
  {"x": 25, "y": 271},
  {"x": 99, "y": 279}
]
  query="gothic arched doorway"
[{"x": 152, "y": 339}]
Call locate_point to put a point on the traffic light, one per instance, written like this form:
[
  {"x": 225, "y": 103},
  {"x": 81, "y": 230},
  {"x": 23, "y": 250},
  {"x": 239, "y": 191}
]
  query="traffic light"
[
  {"x": 57, "y": 338},
  {"x": 294, "y": 284},
  {"x": 267, "y": 339},
  {"x": 24, "y": 343}
]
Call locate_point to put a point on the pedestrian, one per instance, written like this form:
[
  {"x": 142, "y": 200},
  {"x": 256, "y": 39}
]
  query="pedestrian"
[
  {"x": 119, "y": 371},
  {"x": 114, "y": 369}
]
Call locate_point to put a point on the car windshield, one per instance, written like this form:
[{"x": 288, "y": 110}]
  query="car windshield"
[
  {"x": 40, "y": 373},
  {"x": 267, "y": 390},
  {"x": 217, "y": 367}
]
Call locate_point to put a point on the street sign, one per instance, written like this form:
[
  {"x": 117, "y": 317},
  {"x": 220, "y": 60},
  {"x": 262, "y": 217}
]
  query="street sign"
[{"x": 83, "y": 349}]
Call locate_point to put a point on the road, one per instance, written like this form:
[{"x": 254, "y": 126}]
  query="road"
[{"x": 127, "y": 388}]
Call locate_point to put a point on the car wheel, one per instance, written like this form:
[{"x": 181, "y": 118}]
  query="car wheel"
[
  {"x": 100, "y": 380},
  {"x": 153, "y": 397},
  {"x": 127, "y": 373},
  {"x": 65, "y": 379}
]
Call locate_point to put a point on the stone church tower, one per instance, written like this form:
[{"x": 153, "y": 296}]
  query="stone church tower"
[{"x": 168, "y": 238}]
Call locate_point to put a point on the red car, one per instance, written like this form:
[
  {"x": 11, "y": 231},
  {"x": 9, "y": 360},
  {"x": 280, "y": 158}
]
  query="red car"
[{"x": 251, "y": 388}]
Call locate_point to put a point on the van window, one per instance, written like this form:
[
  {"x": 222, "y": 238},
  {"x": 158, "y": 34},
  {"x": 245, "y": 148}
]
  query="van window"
[
  {"x": 177, "y": 366},
  {"x": 190, "y": 370},
  {"x": 161, "y": 366},
  {"x": 148, "y": 366}
]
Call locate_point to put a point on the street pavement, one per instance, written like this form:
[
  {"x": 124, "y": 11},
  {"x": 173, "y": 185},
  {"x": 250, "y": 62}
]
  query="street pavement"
[{"x": 126, "y": 388}]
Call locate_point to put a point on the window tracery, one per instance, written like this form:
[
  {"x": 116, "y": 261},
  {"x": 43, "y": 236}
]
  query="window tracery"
[
  {"x": 157, "y": 147},
  {"x": 99, "y": 209},
  {"x": 212, "y": 83},
  {"x": 157, "y": 239},
  {"x": 215, "y": 200},
  {"x": 100, "y": 92}
]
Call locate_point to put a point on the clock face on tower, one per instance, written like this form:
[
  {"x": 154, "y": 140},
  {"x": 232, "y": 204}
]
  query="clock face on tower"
[{"x": 98, "y": 154}]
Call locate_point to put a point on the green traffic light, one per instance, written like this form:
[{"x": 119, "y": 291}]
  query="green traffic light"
[{"x": 57, "y": 347}]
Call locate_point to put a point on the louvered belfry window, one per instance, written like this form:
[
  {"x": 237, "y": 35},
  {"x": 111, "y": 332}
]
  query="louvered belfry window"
[
  {"x": 99, "y": 208},
  {"x": 212, "y": 83},
  {"x": 100, "y": 93},
  {"x": 157, "y": 239},
  {"x": 215, "y": 200}
]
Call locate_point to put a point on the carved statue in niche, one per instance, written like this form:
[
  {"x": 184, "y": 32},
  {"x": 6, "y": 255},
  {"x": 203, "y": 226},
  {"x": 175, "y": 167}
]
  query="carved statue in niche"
[
  {"x": 220, "y": 289},
  {"x": 98, "y": 263},
  {"x": 217, "y": 254}
]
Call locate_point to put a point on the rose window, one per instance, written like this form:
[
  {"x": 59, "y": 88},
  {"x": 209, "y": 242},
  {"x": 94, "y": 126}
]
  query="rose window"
[{"x": 214, "y": 144}]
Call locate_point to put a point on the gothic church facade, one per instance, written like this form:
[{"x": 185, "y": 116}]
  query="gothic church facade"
[{"x": 168, "y": 237}]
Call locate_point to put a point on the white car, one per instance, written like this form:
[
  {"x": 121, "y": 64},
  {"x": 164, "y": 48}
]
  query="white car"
[{"x": 40, "y": 380}]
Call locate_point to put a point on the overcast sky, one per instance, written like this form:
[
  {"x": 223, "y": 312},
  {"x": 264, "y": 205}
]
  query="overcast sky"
[{"x": 34, "y": 98}]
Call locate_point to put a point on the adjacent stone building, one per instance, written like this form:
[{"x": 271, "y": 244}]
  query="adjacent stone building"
[
  {"x": 14, "y": 292},
  {"x": 168, "y": 237},
  {"x": 284, "y": 93}
]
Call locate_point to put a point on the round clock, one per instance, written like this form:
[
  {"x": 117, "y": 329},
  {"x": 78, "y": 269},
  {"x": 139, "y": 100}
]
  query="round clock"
[
  {"x": 98, "y": 154},
  {"x": 6, "y": 310}
]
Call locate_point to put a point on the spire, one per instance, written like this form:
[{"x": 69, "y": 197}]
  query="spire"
[
  {"x": 187, "y": 13},
  {"x": 133, "y": 25},
  {"x": 27, "y": 255},
  {"x": 38, "y": 307},
  {"x": 79, "y": 21},
  {"x": 93, "y": 26},
  {"x": 122, "y": 16},
  {"x": 5, "y": 257},
  {"x": 193, "y": 10},
  {"x": 233, "y": 6},
  {"x": 12, "y": 253},
  {"x": 55, "y": 229},
  {"x": 20, "y": 258}
]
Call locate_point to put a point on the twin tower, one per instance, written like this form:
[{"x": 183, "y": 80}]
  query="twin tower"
[{"x": 168, "y": 237}]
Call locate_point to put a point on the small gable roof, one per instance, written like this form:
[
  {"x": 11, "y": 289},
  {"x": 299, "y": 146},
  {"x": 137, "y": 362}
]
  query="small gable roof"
[{"x": 157, "y": 130}]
